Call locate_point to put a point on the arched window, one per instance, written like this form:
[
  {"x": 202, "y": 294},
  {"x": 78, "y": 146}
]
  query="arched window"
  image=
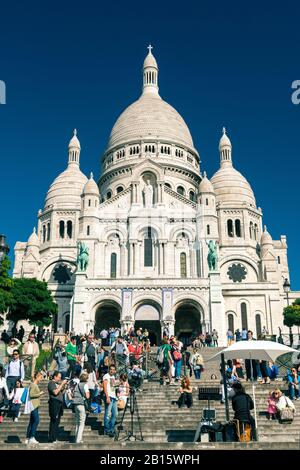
[
  {"x": 231, "y": 322},
  {"x": 258, "y": 325},
  {"x": 108, "y": 194},
  {"x": 180, "y": 190},
  {"x": 192, "y": 196},
  {"x": 148, "y": 248},
  {"x": 48, "y": 231},
  {"x": 207, "y": 230},
  {"x": 119, "y": 189},
  {"x": 244, "y": 316},
  {"x": 44, "y": 233},
  {"x": 168, "y": 185},
  {"x": 230, "y": 228},
  {"x": 89, "y": 203},
  {"x": 88, "y": 230},
  {"x": 153, "y": 149},
  {"x": 278, "y": 259},
  {"x": 251, "y": 230},
  {"x": 183, "y": 272},
  {"x": 113, "y": 265},
  {"x": 206, "y": 201},
  {"x": 237, "y": 224},
  {"x": 255, "y": 232},
  {"x": 69, "y": 229},
  {"x": 62, "y": 229}
]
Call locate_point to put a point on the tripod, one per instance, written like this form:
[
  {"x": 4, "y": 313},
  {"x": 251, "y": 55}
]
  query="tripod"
[{"x": 133, "y": 407}]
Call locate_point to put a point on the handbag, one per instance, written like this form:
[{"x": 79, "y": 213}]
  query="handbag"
[
  {"x": 287, "y": 414},
  {"x": 85, "y": 401},
  {"x": 177, "y": 355},
  {"x": 121, "y": 404}
]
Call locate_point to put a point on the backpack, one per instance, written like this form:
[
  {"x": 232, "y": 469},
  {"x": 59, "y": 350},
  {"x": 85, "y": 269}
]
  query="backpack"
[
  {"x": 160, "y": 356},
  {"x": 177, "y": 355},
  {"x": 199, "y": 361}
]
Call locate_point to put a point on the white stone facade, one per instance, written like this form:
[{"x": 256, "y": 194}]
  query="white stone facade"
[{"x": 147, "y": 224}]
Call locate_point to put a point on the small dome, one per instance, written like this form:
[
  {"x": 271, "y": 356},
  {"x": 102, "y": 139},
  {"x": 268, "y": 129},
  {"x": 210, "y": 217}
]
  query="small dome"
[
  {"x": 205, "y": 185},
  {"x": 224, "y": 141},
  {"x": 33, "y": 240},
  {"x": 74, "y": 142},
  {"x": 266, "y": 238},
  {"x": 150, "y": 60},
  {"x": 231, "y": 186},
  {"x": 66, "y": 189},
  {"x": 91, "y": 186}
]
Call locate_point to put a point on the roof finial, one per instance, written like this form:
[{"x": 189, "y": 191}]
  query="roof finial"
[
  {"x": 150, "y": 48},
  {"x": 204, "y": 174},
  {"x": 91, "y": 175},
  {"x": 34, "y": 230},
  {"x": 74, "y": 131},
  {"x": 224, "y": 130}
]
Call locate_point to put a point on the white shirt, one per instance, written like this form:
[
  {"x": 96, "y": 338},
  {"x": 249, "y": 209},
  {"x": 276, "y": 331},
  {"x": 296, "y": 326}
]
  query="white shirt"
[
  {"x": 16, "y": 395},
  {"x": 13, "y": 369},
  {"x": 4, "y": 385},
  {"x": 111, "y": 384},
  {"x": 92, "y": 380}
]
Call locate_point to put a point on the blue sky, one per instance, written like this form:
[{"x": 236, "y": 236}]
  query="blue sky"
[{"x": 78, "y": 64}]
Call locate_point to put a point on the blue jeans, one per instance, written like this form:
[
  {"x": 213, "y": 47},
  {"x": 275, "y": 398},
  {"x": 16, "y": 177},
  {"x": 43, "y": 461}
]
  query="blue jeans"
[
  {"x": 33, "y": 423},
  {"x": 293, "y": 392},
  {"x": 177, "y": 365},
  {"x": 197, "y": 373},
  {"x": 110, "y": 415}
]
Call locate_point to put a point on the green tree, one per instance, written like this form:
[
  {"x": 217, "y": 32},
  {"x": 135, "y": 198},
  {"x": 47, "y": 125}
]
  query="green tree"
[
  {"x": 6, "y": 284},
  {"x": 32, "y": 301},
  {"x": 291, "y": 314}
]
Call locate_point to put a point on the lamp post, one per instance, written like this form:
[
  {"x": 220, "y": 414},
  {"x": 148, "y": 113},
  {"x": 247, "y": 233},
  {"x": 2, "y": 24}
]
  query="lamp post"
[
  {"x": 287, "y": 288},
  {"x": 4, "y": 248}
]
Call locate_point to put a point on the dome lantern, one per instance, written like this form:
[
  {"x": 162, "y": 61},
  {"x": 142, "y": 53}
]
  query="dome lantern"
[
  {"x": 150, "y": 73},
  {"x": 225, "y": 149},
  {"x": 74, "y": 149}
]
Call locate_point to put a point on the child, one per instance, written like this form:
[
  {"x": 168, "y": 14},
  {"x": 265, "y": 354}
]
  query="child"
[
  {"x": 15, "y": 396},
  {"x": 272, "y": 410}
]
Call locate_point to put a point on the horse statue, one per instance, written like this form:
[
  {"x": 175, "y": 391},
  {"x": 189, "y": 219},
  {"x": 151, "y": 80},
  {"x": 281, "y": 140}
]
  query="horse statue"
[
  {"x": 82, "y": 256},
  {"x": 212, "y": 257}
]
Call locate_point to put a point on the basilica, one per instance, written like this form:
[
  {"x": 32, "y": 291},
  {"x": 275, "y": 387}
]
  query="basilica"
[{"x": 165, "y": 245}]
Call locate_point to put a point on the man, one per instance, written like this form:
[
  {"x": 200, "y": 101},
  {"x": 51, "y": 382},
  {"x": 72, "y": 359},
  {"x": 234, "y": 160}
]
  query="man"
[
  {"x": 21, "y": 334},
  {"x": 104, "y": 336},
  {"x": 111, "y": 410},
  {"x": 31, "y": 348},
  {"x": 238, "y": 335},
  {"x": 91, "y": 352},
  {"x": 72, "y": 356},
  {"x": 244, "y": 334},
  {"x": 135, "y": 351},
  {"x": 136, "y": 375},
  {"x": 14, "y": 371},
  {"x": 5, "y": 337},
  {"x": 55, "y": 390},
  {"x": 62, "y": 362},
  {"x": 121, "y": 350},
  {"x": 166, "y": 368}
]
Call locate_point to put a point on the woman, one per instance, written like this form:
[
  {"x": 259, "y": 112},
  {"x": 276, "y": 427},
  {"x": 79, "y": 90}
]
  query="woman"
[
  {"x": 294, "y": 384},
  {"x": 123, "y": 391},
  {"x": 92, "y": 381},
  {"x": 197, "y": 364},
  {"x": 186, "y": 393},
  {"x": 34, "y": 396},
  {"x": 81, "y": 394},
  {"x": 4, "y": 394},
  {"x": 282, "y": 403},
  {"x": 238, "y": 368},
  {"x": 15, "y": 397},
  {"x": 264, "y": 372},
  {"x": 13, "y": 344},
  {"x": 177, "y": 358}
]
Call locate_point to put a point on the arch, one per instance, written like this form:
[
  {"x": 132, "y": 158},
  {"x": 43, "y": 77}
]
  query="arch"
[
  {"x": 108, "y": 194},
  {"x": 192, "y": 196},
  {"x": 183, "y": 270},
  {"x": 61, "y": 229},
  {"x": 168, "y": 185},
  {"x": 237, "y": 226},
  {"x": 107, "y": 314},
  {"x": 244, "y": 315},
  {"x": 113, "y": 265},
  {"x": 251, "y": 230},
  {"x": 188, "y": 320},
  {"x": 147, "y": 316},
  {"x": 180, "y": 190},
  {"x": 230, "y": 318},
  {"x": 48, "y": 231},
  {"x": 230, "y": 228},
  {"x": 119, "y": 189},
  {"x": 69, "y": 229},
  {"x": 148, "y": 248},
  {"x": 258, "y": 325},
  {"x": 44, "y": 233},
  {"x": 240, "y": 258},
  {"x": 188, "y": 230}
]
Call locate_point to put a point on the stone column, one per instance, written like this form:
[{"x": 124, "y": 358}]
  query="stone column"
[
  {"x": 160, "y": 190},
  {"x": 161, "y": 257},
  {"x": 123, "y": 260},
  {"x": 217, "y": 310},
  {"x": 131, "y": 257}
]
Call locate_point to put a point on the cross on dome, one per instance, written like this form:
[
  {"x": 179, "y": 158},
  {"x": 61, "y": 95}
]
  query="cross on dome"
[
  {"x": 150, "y": 48},
  {"x": 74, "y": 131},
  {"x": 224, "y": 130}
]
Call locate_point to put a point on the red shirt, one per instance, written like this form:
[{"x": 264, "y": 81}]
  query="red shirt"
[{"x": 135, "y": 350}]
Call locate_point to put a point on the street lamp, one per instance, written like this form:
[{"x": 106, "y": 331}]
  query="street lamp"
[
  {"x": 4, "y": 248},
  {"x": 287, "y": 288}
]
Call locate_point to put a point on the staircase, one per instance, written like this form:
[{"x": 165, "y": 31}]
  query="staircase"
[{"x": 163, "y": 424}]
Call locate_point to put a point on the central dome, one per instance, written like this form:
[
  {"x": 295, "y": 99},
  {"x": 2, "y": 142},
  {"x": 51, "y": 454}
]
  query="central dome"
[{"x": 150, "y": 117}]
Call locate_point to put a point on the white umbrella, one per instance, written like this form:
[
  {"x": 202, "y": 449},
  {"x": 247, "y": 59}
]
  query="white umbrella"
[{"x": 255, "y": 350}]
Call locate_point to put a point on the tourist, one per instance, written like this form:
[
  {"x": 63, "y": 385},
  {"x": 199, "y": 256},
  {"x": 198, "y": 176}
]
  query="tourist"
[
  {"x": 273, "y": 371},
  {"x": 242, "y": 404},
  {"x": 119, "y": 348},
  {"x": 177, "y": 357},
  {"x": 244, "y": 334},
  {"x": 166, "y": 365},
  {"x": 284, "y": 402},
  {"x": 4, "y": 394},
  {"x": 197, "y": 364},
  {"x": 136, "y": 375},
  {"x": 62, "y": 363},
  {"x": 34, "y": 396},
  {"x": 238, "y": 368},
  {"x": 14, "y": 344},
  {"x": 104, "y": 336},
  {"x": 111, "y": 411},
  {"x": 60, "y": 330},
  {"x": 215, "y": 337},
  {"x": 72, "y": 354},
  {"x": 14, "y": 370},
  {"x": 15, "y": 398},
  {"x": 197, "y": 343},
  {"x": 186, "y": 393},
  {"x": 293, "y": 383},
  {"x": 102, "y": 353},
  {"x": 92, "y": 381},
  {"x": 230, "y": 337},
  {"x": 91, "y": 351},
  {"x": 56, "y": 390},
  {"x": 123, "y": 392},
  {"x": 112, "y": 336},
  {"x": 31, "y": 348},
  {"x": 21, "y": 333},
  {"x": 81, "y": 394},
  {"x": 238, "y": 335},
  {"x": 5, "y": 337},
  {"x": 208, "y": 340},
  {"x": 264, "y": 372},
  {"x": 272, "y": 405},
  {"x": 135, "y": 350}
]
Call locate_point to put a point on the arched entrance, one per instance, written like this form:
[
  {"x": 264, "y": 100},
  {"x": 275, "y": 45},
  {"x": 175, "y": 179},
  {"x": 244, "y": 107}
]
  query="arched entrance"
[
  {"x": 147, "y": 317},
  {"x": 187, "y": 322},
  {"x": 107, "y": 316}
]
